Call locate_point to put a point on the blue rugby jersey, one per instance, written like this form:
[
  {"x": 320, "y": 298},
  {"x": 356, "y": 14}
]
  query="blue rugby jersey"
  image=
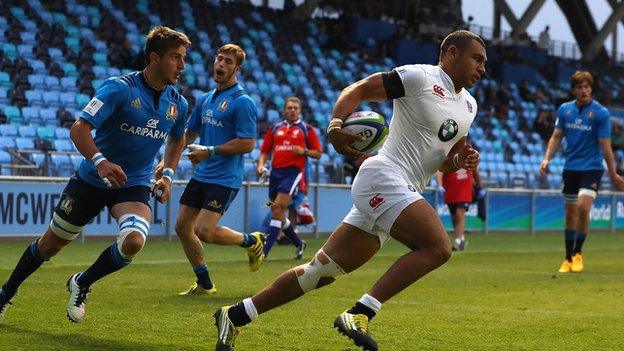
[
  {"x": 582, "y": 128},
  {"x": 132, "y": 121},
  {"x": 220, "y": 116}
]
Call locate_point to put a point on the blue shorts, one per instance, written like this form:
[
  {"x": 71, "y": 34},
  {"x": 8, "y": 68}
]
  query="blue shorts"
[
  {"x": 285, "y": 181},
  {"x": 81, "y": 201},
  {"x": 575, "y": 180},
  {"x": 212, "y": 197}
]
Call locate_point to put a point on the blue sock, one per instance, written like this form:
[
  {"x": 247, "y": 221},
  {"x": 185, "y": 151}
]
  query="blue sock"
[
  {"x": 203, "y": 278},
  {"x": 570, "y": 235},
  {"x": 580, "y": 239},
  {"x": 248, "y": 240},
  {"x": 266, "y": 222},
  {"x": 30, "y": 261},
  {"x": 272, "y": 235},
  {"x": 290, "y": 234},
  {"x": 110, "y": 261}
]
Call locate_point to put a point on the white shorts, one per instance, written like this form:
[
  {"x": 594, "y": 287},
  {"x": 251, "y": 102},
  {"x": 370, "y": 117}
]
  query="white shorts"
[{"x": 379, "y": 196}]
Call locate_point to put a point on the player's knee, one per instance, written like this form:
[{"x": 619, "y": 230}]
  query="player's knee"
[
  {"x": 183, "y": 229},
  {"x": 441, "y": 253},
  {"x": 207, "y": 233},
  {"x": 319, "y": 272},
  {"x": 132, "y": 244},
  {"x": 133, "y": 230}
]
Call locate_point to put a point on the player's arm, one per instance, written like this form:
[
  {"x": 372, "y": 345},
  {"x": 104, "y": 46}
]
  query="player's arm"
[
  {"x": 261, "y": 159},
  {"x": 370, "y": 88},
  {"x": 107, "y": 99},
  {"x": 553, "y": 145},
  {"x": 477, "y": 177},
  {"x": 439, "y": 175},
  {"x": 462, "y": 155},
  {"x": 315, "y": 149}
]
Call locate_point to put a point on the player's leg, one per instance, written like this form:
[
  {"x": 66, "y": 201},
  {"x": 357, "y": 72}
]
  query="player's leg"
[
  {"x": 347, "y": 248},
  {"x": 589, "y": 185},
  {"x": 459, "y": 224},
  {"x": 194, "y": 251},
  {"x": 283, "y": 185},
  {"x": 584, "y": 204},
  {"x": 133, "y": 218},
  {"x": 37, "y": 252},
  {"x": 75, "y": 208},
  {"x": 570, "y": 198}
]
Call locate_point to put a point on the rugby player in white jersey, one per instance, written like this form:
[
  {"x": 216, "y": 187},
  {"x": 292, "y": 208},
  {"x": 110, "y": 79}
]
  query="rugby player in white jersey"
[{"x": 432, "y": 115}]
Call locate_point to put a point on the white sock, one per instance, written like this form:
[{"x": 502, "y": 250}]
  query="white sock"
[
  {"x": 370, "y": 302},
  {"x": 251, "y": 310},
  {"x": 286, "y": 224},
  {"x": 276, "y": 223}
]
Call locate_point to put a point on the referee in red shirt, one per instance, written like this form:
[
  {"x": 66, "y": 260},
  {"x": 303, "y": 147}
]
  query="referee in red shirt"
[
  {"x": 456, "y": 187},
  {"x": 289, "y": 142}
]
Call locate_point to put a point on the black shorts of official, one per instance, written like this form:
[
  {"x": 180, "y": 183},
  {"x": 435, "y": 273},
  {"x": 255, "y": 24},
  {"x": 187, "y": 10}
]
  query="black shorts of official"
[
  {"x": 212, "y": 197},
  {"x": 575, "y": 180},
  {"x": 81, "y": 201},
  {"x": 453, "y": 207}
]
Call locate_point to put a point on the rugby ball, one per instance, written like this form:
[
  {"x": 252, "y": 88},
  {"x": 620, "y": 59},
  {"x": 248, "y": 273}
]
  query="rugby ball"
[{"x": 369, "y": 124}]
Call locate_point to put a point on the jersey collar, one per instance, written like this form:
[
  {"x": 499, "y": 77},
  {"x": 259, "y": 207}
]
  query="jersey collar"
[
  {"x": 148, "y": 85},
  {"x": 293, "y": 123},
  {"x": 448, "y": 82}
]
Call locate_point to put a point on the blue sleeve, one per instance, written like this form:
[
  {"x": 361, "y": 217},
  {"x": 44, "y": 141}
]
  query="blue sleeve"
[
  {"x": 559, "y": 123},
  {"x": 603, "y": 123},
  {"x": 177, "y": 131},
  {"x": 246, "y": 118},
  {"x": 107, "y": 99},
  {"x": 194, "y": 122}
]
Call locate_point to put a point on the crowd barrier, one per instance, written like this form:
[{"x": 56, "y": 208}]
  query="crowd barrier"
[{"x": 26, "y": 205}]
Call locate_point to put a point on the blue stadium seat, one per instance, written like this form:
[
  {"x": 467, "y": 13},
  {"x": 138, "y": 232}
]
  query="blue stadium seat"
[
  {"x": 8, "y": 130},
  {"x": 27, "y": 131},
  {"x": 185, "y": 169},
  {"x": 51, "y": 98},
  {"x": 48, "y": 114},
  {"x": 25, "y": 143},
  {"x": 61, "y": 133},
  {"x": 7, "y": 143},
  {"x": 38, "y": 158},
  {"x": 61, "y": 165},
  {"x": 37, "y": 81},
  {"x": 53, "y": 83},
  {"x": 34, "y": 97},
  {"x": 76, "y": 160},
  {"x": 29, "y": 113},
  {"x": 45, "y": 133},
  {"x": 82, "y": 100},
  {"x": 63, "y": 145},
  {"x": 25, "y": 51},
  {"x": 38, "y": 67},
  {"x": 13, "y": 114}
]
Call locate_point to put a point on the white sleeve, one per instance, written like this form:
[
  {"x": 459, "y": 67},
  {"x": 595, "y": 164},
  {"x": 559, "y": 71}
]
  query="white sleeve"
[{"x": 413, "y": 78}]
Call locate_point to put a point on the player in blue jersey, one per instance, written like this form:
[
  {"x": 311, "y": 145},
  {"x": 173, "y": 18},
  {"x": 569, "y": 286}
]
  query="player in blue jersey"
[
  {"x": 225, "y": 121},
  {"x": 586, "y": 126},
  {"x": 133, "y": 115}
]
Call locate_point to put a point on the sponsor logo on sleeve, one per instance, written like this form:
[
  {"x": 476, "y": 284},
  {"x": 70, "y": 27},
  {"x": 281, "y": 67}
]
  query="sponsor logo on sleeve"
[{"x": 93, "y": 106}]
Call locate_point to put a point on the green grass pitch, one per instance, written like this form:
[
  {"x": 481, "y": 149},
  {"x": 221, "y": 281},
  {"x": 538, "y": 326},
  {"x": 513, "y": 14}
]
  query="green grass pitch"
[{"x": 501, "y": 294}]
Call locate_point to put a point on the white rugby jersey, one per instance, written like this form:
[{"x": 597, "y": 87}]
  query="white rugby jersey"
[{"x": 426, "y": 122}]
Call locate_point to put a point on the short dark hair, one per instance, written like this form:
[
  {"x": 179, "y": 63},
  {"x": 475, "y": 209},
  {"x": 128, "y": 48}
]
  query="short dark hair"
[
  {"x": 459, "y": 38},
  {"x": 235, "y": 50},
  {"x": 161, "y": 38},
  {"x": 581, "y": 76}
]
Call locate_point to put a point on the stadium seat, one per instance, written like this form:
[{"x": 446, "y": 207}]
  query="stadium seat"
[
  {"x": 76, "y": 160},
  {"x": 25, "y": 143},
  {"x": 45, "y": 133},
  {"x": 63, "y": 145},
  {"x": 27, "y": 131},
  {"x": 62, "y": 165},
  {"x": 6, "y": 143},
  {"x": 61, "y": 133}
]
